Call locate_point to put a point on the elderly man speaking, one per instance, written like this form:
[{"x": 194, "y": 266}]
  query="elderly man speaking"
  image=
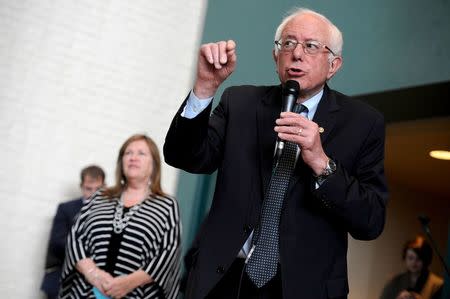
[{"x": 292, "y": 182}]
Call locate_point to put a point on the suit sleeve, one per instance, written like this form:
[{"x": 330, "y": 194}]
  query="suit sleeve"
[
  {"x": 59, "y": 231},
  {"x": 196, "y": 145},
  {"x": 358, "y": 200}
]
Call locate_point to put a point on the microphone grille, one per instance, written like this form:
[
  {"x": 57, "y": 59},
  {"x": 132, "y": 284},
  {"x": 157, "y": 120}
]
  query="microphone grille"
[{"x": 291, "y": 87}]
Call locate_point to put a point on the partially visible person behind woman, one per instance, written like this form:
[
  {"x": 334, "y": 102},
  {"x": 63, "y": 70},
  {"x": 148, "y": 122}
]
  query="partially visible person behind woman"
[
  {"x": 126, "y": 241},
  {"x": 417, "y": 282}
]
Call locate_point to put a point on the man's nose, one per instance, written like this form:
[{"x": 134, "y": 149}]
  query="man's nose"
[{"x": 298, "y": 52}]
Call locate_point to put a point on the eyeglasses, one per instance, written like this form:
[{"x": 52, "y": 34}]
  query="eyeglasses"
[{"x": 310, "y": 47}]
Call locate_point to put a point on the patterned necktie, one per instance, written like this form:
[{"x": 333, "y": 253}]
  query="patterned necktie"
[{"x": 262, "y": 265}]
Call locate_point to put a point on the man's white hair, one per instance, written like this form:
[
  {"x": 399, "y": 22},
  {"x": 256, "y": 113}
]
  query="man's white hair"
[{"x": 335, "y": 43}]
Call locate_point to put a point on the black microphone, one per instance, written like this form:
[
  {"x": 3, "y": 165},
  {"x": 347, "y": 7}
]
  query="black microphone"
[
  {"x": 289, "y": 95},
  {"x": 425, "y": 220}
]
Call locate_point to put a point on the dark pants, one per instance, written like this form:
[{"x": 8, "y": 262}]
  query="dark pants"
[{"x": 227, "y": 287}]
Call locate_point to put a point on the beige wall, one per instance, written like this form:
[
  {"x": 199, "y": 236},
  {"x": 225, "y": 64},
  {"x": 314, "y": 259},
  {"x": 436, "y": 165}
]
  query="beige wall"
[{"x": 372, "y": 263}]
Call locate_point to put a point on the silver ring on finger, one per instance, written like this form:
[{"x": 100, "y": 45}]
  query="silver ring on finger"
[{"x": 299, "y": 132}]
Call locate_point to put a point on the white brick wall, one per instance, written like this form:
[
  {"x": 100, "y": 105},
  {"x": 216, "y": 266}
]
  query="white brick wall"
[{"x": 76, "y": 79}]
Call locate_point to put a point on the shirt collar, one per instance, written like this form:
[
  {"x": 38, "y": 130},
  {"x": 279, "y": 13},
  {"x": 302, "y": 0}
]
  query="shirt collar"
[{"x": 312, "y": 104}]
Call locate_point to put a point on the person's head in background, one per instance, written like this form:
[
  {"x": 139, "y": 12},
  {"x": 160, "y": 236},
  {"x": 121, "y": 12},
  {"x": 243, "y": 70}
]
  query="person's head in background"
[
  {"x": 138, "y": 161},
  {"x": 92, "y": 179},
  {"x": 417, "y": 255}
]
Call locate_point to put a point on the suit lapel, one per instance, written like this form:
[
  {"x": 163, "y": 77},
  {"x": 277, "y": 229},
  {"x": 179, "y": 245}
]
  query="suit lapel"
[
  {"x": 267, "y": 112},
  {"x": 325, "y": 116}
]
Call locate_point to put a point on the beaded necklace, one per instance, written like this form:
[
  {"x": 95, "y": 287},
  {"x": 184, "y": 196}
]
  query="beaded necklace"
[{"x": 120, "y": 220}]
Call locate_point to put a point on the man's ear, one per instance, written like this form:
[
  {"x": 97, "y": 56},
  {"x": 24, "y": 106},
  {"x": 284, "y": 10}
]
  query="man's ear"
[
  {"x": 335, "y": 65},
  {"x": 275, "y": 58}
]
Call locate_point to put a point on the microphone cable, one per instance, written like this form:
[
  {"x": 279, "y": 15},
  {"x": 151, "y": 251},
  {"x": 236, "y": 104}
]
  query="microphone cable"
[{"x": 243, "y": 270}]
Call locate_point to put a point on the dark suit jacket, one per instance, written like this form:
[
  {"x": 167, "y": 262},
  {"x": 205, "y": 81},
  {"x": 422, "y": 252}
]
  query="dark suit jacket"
[
  {"x": 238, "y": 140},
  {"x": 64, "y": 218}
]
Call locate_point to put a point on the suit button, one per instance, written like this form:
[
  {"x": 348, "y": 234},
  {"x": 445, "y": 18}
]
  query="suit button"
[
  {"x": 220, "y": 270},
  {"x": 247, "y": 229},
  {"x": 323, "y": 196}
]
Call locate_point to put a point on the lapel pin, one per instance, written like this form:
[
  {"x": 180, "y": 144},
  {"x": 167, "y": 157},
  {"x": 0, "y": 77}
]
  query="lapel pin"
[{"x": 321, "y": 130}]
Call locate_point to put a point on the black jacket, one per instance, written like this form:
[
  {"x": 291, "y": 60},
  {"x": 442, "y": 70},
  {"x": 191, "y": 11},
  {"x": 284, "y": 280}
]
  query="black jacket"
[{"x": 238, "y": 140}]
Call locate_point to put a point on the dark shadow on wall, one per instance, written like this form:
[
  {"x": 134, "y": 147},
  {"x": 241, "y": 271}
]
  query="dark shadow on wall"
[{"x": 427, "y": 101}]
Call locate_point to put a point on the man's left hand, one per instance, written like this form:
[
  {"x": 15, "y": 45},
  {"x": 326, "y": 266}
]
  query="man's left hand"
[{"x": 296, "y": 128}]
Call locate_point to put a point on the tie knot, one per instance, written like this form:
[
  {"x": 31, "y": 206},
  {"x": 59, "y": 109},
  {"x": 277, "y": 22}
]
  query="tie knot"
[{"x": 299, "y": 108}]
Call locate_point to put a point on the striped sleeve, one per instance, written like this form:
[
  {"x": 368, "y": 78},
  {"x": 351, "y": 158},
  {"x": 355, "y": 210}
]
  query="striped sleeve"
[
  {"x": 164, "y": 268},
  {"x": 75, "y": 249}
]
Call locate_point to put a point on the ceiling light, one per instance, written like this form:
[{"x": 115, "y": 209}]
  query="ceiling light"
[{"x": 442, "y": 155}]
